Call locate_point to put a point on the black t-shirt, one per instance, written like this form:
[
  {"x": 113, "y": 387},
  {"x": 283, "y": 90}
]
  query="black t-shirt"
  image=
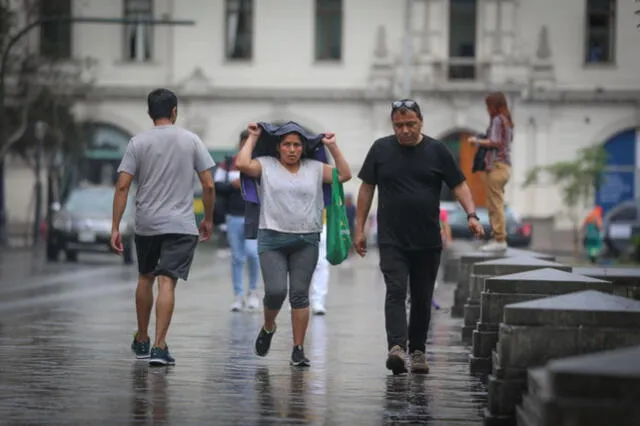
[{"x": 409, "y": 181}]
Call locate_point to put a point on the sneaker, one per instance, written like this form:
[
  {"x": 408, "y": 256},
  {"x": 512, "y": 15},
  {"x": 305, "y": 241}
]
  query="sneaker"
[
  {"x": 419, "y": 362},
  {"x": 263, "y": 342},
  {"x": 495, "y": 246},
  {"x": 253, "y": 302},
  {"x": 140, "y": 348},
  {"x": 160, "y": 357},
  {"x": 297, "y": 357},
  {"x": 396, "y": 360},
  {"x": 238, "y": 304},
  {"x": 318, "y": 309}
]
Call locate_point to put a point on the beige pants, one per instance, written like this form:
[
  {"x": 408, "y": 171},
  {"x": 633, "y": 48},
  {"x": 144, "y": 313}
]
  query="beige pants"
[{"x": 495, "y": 181}]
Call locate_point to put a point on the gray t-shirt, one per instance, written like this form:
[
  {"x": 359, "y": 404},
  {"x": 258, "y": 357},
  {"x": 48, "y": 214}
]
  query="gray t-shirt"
[
  {"x": 291, "y": 202},
  {"x": 163, "y": 160}
]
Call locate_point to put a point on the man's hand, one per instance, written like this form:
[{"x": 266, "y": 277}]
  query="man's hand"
[
  {"x": 476, "y": 227},
  {"x": 205, "y": 230},
  {"x": 115, "y": 243},
  {"x": 235, "y": 183},
  {"x": 329, "y": 139},
  {"x": 254, "y": 129},
  {"x": 360, "y": 243}
]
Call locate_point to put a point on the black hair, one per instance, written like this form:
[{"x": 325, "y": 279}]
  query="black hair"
[{"x": 161, "y": 103}]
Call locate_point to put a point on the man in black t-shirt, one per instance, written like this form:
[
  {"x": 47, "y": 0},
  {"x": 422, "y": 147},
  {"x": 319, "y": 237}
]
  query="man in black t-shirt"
[{"x": 409, "y": 168}]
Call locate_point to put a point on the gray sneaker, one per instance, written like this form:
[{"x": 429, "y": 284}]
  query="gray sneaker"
[
  {"x": 419, "y": 362},
  {"x": 397, "y": 360}
]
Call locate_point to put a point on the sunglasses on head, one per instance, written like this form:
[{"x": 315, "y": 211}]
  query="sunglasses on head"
[{"x": 406, "y": 103}]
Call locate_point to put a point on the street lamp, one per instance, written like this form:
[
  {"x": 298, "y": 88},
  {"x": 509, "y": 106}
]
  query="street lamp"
[{"x": 3, "y": 70}]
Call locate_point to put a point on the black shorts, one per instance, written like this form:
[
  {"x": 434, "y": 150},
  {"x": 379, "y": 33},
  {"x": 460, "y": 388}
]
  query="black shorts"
[{"x": 168, "y": 255}]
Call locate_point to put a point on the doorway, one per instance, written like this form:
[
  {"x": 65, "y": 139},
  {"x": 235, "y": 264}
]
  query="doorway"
[{"x": 464, "y": 152}]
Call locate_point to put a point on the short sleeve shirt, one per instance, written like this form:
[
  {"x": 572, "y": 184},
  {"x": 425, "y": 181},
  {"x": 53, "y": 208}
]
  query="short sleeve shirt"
[
  {"x": 164, "y": 161},
  {"x": 291, "y": 202},
  {"x": 409, "y": 181}
]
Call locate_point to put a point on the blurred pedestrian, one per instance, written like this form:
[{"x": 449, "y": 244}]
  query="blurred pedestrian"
[
  {"x": 592, "y": 234},
  {"x": 162, "y": 160},
  {"x": 320, "y": 279},
  {"x": 291, "y": 205},
  {"x": 497, "y": 166},
  {"x": 244, "y": 251},
  {"x": 409, "y": 169}
]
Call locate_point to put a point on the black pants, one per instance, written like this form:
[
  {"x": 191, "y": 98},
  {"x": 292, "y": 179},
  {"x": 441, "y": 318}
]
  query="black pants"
[{"x": 419, "y": 269}]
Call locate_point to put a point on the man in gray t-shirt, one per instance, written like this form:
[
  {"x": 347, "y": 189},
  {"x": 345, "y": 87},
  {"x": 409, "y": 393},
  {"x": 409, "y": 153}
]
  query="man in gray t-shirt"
[{"x": 163, "y": 161}]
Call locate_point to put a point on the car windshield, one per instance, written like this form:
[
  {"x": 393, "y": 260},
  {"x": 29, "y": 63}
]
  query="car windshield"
[{"x": 91, "y": 201}]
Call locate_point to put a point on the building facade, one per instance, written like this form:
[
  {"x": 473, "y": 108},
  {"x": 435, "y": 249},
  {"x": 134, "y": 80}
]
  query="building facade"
[{"x": 570, "y": 69}]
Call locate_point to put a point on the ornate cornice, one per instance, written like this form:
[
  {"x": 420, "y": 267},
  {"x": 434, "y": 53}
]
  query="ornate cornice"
[{"x": 113, "y": 93}]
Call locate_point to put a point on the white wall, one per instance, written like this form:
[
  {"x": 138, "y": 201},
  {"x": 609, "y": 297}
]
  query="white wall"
[{"x": 283, "y": 61}]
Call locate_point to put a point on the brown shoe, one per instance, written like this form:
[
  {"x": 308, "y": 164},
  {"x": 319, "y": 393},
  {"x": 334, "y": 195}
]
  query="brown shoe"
[
  {"x": 419, "y": 363},
  {"x": 397, "y": 360}
]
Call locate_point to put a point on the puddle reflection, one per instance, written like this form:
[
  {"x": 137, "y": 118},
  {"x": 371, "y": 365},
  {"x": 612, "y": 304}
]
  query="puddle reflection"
[
  {"x": 276, "y": 403},
  {"x": 149, "y": 396},
  {"x": 407, "y": 398}
]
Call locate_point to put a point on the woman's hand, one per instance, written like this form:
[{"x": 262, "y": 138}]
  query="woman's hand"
[
  {"x": 472, "y": 140},
  {"x": 329, "y": 139},
  {"x": 254, "y": 129}
]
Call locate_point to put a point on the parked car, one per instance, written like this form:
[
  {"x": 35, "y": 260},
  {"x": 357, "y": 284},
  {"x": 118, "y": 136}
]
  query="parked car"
[
  {"x": 83, "y": 224},
  {"x": 620, "y": 225},
  {"x": 518, "y": 232}
]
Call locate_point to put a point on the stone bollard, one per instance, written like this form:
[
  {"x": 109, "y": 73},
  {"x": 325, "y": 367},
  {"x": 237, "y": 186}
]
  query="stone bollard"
[
  {"x": 626, "y": 281},
  {"x": 535, "y": 332},
  {"x": 482, "y": 270},
  {"x": 451, "y": 263},
  {"x": 520, "y": 287},
  {"x": 600, "y": 389},
  {"x": 461, "y": 293}
]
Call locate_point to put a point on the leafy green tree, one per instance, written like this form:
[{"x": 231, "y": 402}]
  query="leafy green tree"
[{"x": 577, "y": 180}]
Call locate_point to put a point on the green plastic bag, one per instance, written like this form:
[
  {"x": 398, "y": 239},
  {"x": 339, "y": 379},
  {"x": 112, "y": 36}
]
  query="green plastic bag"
[{"x": 338, "y": 232}]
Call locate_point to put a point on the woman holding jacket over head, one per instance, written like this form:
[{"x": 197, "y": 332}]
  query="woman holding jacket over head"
[{"x": 291, "y": 206}]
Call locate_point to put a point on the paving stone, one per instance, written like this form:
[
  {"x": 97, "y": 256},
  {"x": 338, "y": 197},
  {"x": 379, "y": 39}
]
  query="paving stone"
[{"x": 65, "y": 357}]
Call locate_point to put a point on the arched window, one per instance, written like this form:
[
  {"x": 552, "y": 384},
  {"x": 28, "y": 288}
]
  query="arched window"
[
  {"x": 105, "y": 145},
  {"x": 464, "y": 153},
  {"x": 622, "y": 173}
]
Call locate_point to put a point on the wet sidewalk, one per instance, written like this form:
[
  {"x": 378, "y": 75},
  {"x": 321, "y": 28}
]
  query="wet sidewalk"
[{"x": 66, "y": 359}]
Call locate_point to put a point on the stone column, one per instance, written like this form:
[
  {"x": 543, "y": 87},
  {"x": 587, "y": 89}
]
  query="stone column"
[
  {"x": 425, "y": 48},
  {"x": 497, "y": 34}
]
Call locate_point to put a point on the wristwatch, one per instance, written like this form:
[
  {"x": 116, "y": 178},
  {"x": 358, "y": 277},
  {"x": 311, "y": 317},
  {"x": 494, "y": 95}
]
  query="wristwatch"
[{"x": 473, "y": 215}]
